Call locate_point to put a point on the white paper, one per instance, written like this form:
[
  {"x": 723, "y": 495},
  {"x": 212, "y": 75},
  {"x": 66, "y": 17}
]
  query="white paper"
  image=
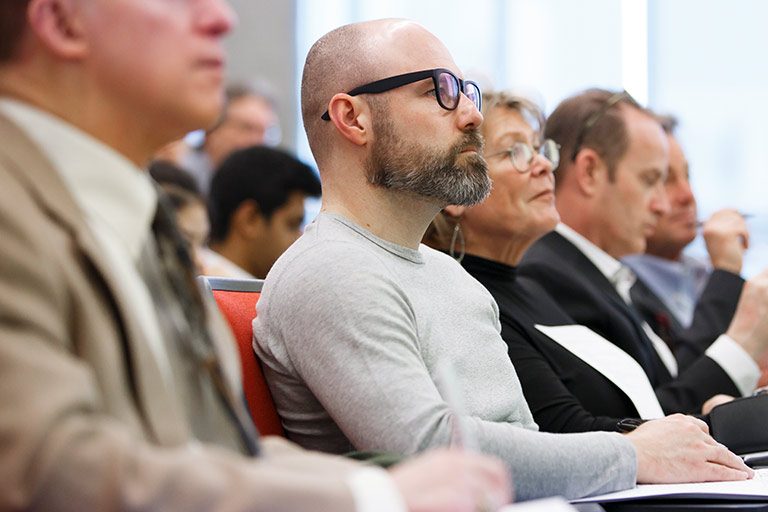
[
  {"x": 741, "y": 490},
  {"x": 612, "y": 362},
  {"x": 547, "y": 505}
]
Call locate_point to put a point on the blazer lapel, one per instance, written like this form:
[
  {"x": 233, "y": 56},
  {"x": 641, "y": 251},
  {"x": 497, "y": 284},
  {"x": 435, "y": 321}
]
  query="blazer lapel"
[
  {"x": 156, "y": 400},
  {"x": 593, "y": 278}
]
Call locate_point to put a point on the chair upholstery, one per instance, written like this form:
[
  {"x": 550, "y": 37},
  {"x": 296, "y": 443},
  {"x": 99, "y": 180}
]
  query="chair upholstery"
[{"x": 236, "y": 298}]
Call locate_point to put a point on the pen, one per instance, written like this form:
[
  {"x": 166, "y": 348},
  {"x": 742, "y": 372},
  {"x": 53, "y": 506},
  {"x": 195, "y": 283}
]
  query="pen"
[
  {"x": 628, "y": 425},
  {"x": 746, "y": 216},
  {"x": 756, "y": 461}
]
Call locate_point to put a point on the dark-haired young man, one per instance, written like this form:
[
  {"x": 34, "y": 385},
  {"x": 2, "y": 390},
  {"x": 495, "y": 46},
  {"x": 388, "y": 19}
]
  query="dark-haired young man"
[{"x": 256, "y": 209}]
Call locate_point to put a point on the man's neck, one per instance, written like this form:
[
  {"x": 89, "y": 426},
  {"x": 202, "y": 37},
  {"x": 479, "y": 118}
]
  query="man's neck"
[
  {"x": 398, "y": 217},
  {"x": 84, "y": 111}
]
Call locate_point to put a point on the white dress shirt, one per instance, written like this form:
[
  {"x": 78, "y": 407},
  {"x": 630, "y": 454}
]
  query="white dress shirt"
[{"x": 728, "y": 354}]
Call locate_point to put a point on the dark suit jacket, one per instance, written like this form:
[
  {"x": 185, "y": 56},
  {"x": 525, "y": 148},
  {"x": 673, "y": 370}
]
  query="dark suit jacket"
[
  {"x": 712, "y": 316},
  {"x": 587, "y": 296},
  {"x": 86, "y": 422}
]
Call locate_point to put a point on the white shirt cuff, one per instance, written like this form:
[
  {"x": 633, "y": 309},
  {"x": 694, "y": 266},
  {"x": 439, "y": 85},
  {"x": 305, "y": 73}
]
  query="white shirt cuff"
[
  {"x": 375, "y": 491},
  {"x": 735, "y": 361}
]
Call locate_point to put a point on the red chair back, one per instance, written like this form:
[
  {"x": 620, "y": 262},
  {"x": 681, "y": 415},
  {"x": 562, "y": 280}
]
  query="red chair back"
[{"x": 236, "y": 298}]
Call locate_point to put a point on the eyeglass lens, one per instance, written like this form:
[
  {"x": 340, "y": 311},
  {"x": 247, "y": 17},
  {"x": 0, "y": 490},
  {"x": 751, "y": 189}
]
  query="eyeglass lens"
[
  {"x": 522, "y": 154},
  {"x": 449, "y": 91}
]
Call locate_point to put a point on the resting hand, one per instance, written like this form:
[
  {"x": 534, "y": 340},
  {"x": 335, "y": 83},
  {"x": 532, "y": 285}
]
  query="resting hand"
[
  {"x": 727, "y": 237},
  {"x": 714, "y": 402},
  {"x": 453, "y": 481},
  {"x": 679, "y": 449},
  {"x": 763, "y": 363}
]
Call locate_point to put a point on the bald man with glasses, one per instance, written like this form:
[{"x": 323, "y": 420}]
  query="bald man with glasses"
[{"x": 371, "y": 340}]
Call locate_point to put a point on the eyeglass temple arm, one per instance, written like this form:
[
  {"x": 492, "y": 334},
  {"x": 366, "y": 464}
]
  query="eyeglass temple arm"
[{"x": 385, "y": 84}]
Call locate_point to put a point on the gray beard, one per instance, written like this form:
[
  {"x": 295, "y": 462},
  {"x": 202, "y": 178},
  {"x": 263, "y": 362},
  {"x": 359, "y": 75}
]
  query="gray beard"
[{"x": 399, "y": 165}]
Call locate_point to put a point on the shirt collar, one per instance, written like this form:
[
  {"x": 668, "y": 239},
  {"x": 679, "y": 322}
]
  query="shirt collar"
[
  {"x": 609, "y": 266},
  {"x": 107, "y": 187}
]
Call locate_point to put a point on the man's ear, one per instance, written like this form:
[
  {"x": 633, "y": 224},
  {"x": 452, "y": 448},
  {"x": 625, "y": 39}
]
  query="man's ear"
[
  {"x": 589, "y": 172},
  {"x": 455, "y": 211},
  {"x": 59, "y": 25},
  {"x": 247, "y": 220},
  {"x": 351, "y": 116}
]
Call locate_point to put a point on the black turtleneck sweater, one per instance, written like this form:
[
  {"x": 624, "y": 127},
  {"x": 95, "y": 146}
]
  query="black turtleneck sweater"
[{"x": 564, "y": 393}]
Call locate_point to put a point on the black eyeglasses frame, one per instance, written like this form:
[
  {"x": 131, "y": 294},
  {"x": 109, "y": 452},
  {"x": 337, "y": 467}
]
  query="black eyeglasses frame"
[{"x": 393, "y": 82}]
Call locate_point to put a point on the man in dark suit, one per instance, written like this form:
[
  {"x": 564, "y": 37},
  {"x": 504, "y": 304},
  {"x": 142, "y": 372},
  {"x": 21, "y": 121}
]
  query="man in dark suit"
[
  {"x": 686, "y": 303},
  {"x": 120, "y": 384},
  {"x": 610, "y": 193}
]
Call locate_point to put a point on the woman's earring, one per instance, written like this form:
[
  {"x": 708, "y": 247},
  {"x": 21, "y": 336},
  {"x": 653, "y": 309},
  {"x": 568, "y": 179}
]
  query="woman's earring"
[{"x": 452, "y": 249}]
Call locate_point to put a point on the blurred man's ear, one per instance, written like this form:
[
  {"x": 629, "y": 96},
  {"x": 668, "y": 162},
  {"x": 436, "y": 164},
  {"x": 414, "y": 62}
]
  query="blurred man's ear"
[
  {"x": 588, "y": 171},
  {"x": 247, "y": 221},
  {"x": 60, "y": 27},
  {"x": 455, "y": 211}
]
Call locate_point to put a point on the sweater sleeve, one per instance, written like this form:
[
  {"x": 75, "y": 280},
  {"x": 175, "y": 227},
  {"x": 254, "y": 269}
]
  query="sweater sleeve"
[{"x": 348, "y": 332}]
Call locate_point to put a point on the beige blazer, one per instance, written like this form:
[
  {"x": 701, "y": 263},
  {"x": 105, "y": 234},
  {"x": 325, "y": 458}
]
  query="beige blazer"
[{"x": 85, "y": 422}]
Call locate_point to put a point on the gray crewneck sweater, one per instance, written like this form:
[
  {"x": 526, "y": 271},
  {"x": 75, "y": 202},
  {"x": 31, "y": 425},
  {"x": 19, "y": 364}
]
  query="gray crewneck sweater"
[{"x": 352, "y": 331}]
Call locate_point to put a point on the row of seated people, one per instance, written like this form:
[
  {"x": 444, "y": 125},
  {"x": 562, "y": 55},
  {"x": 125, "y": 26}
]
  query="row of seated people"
[
  {"x": 568, "y": 389},
  {"x": 357, "y": 319},
  {"x": 119, "y": 384}
]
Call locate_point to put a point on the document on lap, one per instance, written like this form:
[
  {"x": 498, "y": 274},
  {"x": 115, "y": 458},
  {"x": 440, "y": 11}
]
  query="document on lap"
[
  {"x": 612, "y": 362},
  {"x": 744, "y": 490},
  {"x": 547, "y": 505}
]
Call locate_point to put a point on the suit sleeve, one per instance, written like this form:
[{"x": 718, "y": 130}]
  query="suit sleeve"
[
  {"x": 61, "y": 450},
  {"x": 695, "y": 384},
  {"x": 712, "y": 316}
]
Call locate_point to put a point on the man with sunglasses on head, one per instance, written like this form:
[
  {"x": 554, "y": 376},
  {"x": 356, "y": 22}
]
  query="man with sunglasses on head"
[
  {"x": 372, "y": 341},
  {"x": 610, "y": 194}
]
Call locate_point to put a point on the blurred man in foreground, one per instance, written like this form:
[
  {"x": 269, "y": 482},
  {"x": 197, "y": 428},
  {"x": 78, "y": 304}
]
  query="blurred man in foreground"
[{"x": 120, "y": 389}]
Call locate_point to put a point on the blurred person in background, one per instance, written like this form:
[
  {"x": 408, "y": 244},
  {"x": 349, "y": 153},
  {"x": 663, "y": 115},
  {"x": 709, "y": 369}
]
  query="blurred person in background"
[
  {"x": 190, "y": 207},
  {"x": 685, "y": 300},
  {"x": 256, "y": 209},
  {"x": 249, "y": 118}
]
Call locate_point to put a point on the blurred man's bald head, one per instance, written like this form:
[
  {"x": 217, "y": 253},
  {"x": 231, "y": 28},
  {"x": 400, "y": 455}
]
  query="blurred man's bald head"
[{"x": 356, "y": 54}]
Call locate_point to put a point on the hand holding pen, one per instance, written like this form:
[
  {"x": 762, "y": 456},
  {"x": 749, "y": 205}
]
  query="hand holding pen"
[{"x": 727, "y": 237}]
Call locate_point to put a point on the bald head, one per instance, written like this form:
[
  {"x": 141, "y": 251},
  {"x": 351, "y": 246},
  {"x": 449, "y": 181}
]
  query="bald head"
[{"x": 356, "y": 54}]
